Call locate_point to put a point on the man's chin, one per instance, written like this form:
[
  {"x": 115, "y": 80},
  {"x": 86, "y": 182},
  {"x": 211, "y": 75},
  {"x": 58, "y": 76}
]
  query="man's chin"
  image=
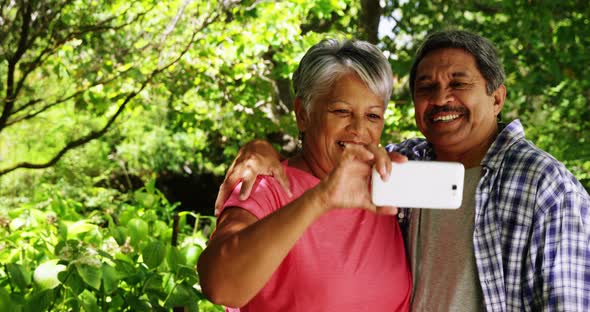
[{"x": 445, "y": 138}]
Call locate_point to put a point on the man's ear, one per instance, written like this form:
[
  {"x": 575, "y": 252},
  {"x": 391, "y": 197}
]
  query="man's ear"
[
  {"x": 499, "y": 99},
  {"x": 301, "y": 115}
]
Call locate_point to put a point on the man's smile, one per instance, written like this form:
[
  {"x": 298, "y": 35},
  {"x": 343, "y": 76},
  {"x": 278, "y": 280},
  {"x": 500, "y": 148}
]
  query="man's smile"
[{"x": 446, "y": 118}]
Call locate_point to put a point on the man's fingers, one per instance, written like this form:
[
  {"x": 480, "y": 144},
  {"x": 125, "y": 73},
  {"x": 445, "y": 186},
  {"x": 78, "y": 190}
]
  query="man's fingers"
[
  {"x": 222, "y": 195},
  {"x": 225, "y": 189},
  {"x": 247, "y": 184},
  {"x": 281, "y": 176}
]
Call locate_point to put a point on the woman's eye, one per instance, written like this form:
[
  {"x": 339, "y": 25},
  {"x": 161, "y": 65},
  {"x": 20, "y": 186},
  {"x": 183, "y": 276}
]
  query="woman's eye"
[
  {"x": 340, "y": 111},
  {"x": 374, "y": 116}
]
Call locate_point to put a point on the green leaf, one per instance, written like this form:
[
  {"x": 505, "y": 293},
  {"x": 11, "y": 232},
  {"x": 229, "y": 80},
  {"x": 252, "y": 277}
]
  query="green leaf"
[
  {"x": 110, "y": 278},
  {"x": 145, "y": 199},
  {"x": 88, "y": 300},
  {"x": 74, "y": 281},
  {"x": 150, "y": 187},
  {"x": 124, "y": 268},
  {"x": 39, "y": 301},
  {"x": 6, "y": 304},
  {"x": 189, "y": 274},
  {"x": 191, "y": 254},
  {"x": 153, "y": 254},
  {"x": 62, "y": 232},
  {"x": 153, "y": 285},
  {"x": 173, "y": 258},
  {"x": 205, "y": 305},
  {"x": 80, "y": 227},
  {"x": 19, "y": 275},
  {"x": 159, "y": 228},
  {"x": 138, "y": 304},
  {"x": 119, "y": 233},
  {"x": 181, "y": 295},
  {"x": 45, "y": 275},
  {"x": 90, "y": 274},
  {"x": 138, "y": 230}
]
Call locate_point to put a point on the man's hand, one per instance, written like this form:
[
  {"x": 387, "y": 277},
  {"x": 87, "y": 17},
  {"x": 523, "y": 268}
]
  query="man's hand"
[{"x": 255, "y": 158}]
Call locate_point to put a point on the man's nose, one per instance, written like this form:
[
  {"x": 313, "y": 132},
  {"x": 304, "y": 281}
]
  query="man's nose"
[{"x": 441, "y": 96}]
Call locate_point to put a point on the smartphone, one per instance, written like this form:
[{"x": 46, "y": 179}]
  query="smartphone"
[{"x": 420, "y": 184}]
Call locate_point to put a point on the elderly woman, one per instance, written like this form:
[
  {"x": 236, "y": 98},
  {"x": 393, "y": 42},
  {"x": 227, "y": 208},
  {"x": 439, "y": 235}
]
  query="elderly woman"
[{"x": 324, "y": 248}]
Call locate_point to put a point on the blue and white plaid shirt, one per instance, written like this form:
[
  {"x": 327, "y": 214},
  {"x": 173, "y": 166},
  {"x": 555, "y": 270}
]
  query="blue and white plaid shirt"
[{"x": 532, "y": 226}]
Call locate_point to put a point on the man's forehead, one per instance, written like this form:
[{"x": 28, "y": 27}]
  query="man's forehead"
[{"x": 450, "y": 61}]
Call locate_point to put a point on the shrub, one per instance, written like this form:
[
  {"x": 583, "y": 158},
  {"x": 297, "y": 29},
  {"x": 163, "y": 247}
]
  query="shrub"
[{"x": 132, "y": 253}]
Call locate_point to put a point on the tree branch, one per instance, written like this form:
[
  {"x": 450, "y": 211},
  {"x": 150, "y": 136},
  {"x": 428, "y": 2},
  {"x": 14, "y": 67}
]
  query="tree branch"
[
  {"x": 28, "y": 67},
  {"x": 92, "y": 135},
  {"x": 3, "y": 30},
  {"x": 98, "y": 133},
  {"x": 101, "y": 27},
  {"x": 62, "y": 100},
  {"x": 22, "y": 47}
]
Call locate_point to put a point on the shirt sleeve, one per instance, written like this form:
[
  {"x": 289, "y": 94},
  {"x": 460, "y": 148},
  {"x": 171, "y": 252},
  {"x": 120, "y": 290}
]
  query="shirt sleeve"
[
  {"x": 414, "y": 149},
  {"x": 560, "y": 246},
  {"x": 264, "y": 198}
]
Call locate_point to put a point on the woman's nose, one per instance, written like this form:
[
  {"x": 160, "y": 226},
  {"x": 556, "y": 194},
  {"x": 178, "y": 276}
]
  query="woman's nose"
[{"x": 356, "y": 124}]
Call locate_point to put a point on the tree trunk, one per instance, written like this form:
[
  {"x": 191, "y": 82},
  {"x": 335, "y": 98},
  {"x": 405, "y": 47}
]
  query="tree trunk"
[{"x": 369, "y": 20}]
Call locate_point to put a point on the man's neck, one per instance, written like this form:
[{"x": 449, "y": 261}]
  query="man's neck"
[{"x": 470, "y": 157}]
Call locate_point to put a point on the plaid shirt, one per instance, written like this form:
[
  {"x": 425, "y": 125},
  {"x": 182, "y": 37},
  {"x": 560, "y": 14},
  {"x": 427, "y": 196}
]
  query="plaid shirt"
[{"x": 532, "y": 226}]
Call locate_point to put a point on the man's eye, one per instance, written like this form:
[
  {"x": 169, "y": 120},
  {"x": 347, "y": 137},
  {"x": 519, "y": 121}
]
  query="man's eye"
[
  {"x": 374, "y": 116},
  {"x": 458, "y": 84},
  {"x": 425, "y": 88}
]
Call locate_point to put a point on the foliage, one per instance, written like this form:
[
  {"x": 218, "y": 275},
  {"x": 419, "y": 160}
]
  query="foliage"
[
  {"x": 57, "y": 255},
  {"x": 191, "y": 114},
  {"x": 542, "y": 49},
  {"x": 81, "y": 64},
  {"x": 103, "y": 94}
]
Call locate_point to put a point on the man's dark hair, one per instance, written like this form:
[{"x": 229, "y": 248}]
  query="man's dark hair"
[{"x": 482, "y": 49}]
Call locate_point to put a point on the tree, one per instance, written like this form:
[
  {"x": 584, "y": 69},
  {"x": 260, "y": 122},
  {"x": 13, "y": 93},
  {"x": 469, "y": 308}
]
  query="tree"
[
  {"x": 542, "y": 49},
  {"x": 97, "y": 56},
  {"x": 218, "y": 74},
  {"x": 228, "y": 81}
]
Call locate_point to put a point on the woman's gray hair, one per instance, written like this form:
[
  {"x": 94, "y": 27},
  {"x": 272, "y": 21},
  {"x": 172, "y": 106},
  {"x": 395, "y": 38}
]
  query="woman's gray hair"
[
  {"x": 330, "y": 59},
  {"x": 483, "y": 50}
]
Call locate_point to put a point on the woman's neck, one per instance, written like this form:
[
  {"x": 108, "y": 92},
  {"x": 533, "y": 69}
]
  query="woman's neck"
[{"x": 303, "y": 162}]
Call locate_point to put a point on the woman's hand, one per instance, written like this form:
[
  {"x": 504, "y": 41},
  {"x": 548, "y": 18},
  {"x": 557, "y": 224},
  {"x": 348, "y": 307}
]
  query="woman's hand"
[
  {"x": 348, "y": 185},
  {"x": 382, "y": 164}
]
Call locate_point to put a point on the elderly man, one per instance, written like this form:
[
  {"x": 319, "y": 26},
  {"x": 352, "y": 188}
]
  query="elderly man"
[{"x": 520, "y": 241}]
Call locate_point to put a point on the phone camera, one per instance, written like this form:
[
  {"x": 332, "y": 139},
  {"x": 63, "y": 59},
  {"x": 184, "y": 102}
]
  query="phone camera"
[{"x": 454, "y": 187}]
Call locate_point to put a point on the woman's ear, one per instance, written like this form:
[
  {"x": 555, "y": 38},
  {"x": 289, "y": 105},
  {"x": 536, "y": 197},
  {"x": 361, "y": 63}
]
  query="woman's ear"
[{"x": 301, "y": 115}]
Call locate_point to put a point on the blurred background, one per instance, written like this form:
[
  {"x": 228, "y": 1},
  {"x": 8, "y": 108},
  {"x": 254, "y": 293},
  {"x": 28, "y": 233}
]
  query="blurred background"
[{"x": 119, "y": 118}]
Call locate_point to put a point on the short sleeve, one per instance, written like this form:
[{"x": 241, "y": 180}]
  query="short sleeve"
[{"x": 266, "y": 197}]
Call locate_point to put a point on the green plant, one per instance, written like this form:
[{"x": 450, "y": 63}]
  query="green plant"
[{"x": 134, "y": 254}]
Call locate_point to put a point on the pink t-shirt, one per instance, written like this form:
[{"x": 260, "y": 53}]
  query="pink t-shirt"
[{"x": 348, "y": 260}]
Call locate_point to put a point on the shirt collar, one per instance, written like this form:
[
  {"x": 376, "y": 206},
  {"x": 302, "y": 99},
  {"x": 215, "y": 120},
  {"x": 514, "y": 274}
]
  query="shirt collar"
[{"x": 509, "y": 134}]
